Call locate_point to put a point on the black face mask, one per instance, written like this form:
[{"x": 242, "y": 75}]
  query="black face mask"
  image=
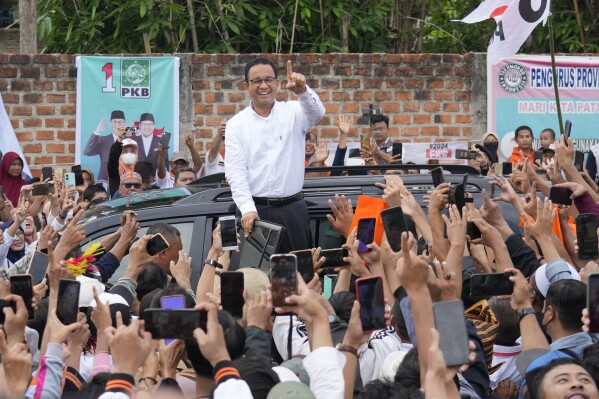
[{"x": 492, "y": 146}]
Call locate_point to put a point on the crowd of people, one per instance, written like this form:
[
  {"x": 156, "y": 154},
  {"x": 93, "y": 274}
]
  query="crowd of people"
[{"x": 537, "y": 342}]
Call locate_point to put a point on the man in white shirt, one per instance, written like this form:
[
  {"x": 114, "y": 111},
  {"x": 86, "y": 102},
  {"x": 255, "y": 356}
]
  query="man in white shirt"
[
  {"x": 265, "y": 150},
  {"x": 215, "y": 161}
]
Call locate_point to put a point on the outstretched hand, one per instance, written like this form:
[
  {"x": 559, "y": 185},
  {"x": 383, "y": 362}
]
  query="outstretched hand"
[{"x": 296, "y": 82}]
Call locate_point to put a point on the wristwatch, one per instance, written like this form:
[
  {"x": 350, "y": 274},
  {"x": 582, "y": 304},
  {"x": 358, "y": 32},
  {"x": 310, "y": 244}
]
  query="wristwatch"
[
  {"x": 349, "y": 349},
  {"x": 214, "y": 263},
  {"x": 525, "y": 312}
]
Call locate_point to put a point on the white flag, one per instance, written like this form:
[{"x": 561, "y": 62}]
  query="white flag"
[
  {"x": 486, "y": 10},
  {"x": 515, "y": 26},
  {"x": 8, "y": 139}
]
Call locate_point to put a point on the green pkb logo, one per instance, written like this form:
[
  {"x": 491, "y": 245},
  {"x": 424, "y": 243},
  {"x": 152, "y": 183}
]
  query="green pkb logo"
[{"x": 135, "y": 78}]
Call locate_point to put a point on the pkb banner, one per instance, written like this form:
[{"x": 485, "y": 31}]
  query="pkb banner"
[
  {"x": 520, "y": 92},
  {"x": 138, "y": 93}
]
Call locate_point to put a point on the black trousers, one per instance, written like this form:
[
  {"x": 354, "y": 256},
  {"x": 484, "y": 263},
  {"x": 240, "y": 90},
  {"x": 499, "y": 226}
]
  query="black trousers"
[{"x": 296, "y": 220}]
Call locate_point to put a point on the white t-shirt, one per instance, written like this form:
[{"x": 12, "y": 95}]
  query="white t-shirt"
[
  {"x": 167, "y": 182},
  {"x": 218, "y": 166}
]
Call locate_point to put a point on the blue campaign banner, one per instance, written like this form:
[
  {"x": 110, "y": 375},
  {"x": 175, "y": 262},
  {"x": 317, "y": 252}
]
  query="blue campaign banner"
[
  {"x": 140, "y": 94},
  {"x": 521, "y": 92}
]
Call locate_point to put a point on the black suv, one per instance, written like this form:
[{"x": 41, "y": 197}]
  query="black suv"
[{"x": 195, "y": 209}]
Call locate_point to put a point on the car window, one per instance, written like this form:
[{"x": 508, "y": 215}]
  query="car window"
[
  {"x": 186, "y": 230},
  {"x": 323, "y": 234}
]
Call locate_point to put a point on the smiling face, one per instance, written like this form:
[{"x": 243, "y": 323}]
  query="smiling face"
[
  {"x": 262, "y": 94},
  {"x": 311, "y": 143},
  {"x": 116, "y": 124},
  {"x": 28, "y": 226},
  {"x": 19, "y": 242},
  {"x": 568, "y": 381},
  {"x": 147, "y": 128}
]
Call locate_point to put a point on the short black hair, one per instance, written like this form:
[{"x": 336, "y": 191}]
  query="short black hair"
[
  {"x": 509, "y": 325},
  {"x": 182, "y": 170},
  {"x": 534, "y": 379},
  {"x": 259, "y": 61},
  {"x": 568, "y": 298},
  {"x": 523, "y": 127},
  {"x": 379, "y": 118},
  {"x": 145, "y": 169},
  {"x": 590, "y": 361},
  {"x": 91, "y": 192},
  {"x": 408, "y": 372},
  {"x": 169, "y": 232},
  {"x": 150, "y": 277},
  {"x": 381, "y": 389},
  {"x": 550, "y": 131},
  {"x": 343, "y": 302},
  {"x": 170, "y": 290}
]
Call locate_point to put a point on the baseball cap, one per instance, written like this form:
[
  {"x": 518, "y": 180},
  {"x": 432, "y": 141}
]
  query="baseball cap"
[
  {"x": 290, "y": 390},
  {"x": 553, "y": 272},
  {"x": 179, "y": 155},
  {"x": 131, "y": 175},
  {"x": 129, "y": 142}
]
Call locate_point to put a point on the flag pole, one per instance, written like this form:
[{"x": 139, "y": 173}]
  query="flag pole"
[{"x": 554, "y": 71}]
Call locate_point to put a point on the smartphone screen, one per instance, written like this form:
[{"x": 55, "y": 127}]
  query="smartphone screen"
[
  {"x": 174, "y": 323},
  {"x": 228, "y": 232},
  {"x": 42, "y": 189},
  {"x": 369, "y": 292},
  {"x": 491, "y": 284},
  {"x": 6, "y": 304},
  {"x": 451, "y": 325},
  {"x": 22, "y": 285},
  {"x": 365, "y": 140},
  {"x": 560, "y": 196},
  {"x": 46, "y": 173},
  {"x": 38, "y": 267},
  {"x": 304, "y": 264},
  {"x": 68, "y": 301},
  {"x": 394, "y": 223},
  {"x": 567, "y": 132},
  {"x": 411, "y": 225},
  {"x": 334, "y": 257},
  {"x": 397, "y": 149},
  {"x": 231, "y": 293},
  {"x": 2, "y": 192},
  {"x": 156, "y": 244},
  {"x": 472, "y": 231},
  {"x": 76, "y": 168},
  {"x": 165, "y": 139},
  {"x": 79, "y": 179},
  {"x": 172, "y": 302},
  {"x": 438, "y": 177},
  {"x": 539, "y": 156},
  {"x": 69, "y": 180},
  {"x": 579, "y": 160},
  {"x": 586, "y": 235},
  {"x": 283, "y": 278},
  {"x": 498, "y": 169},
  {"x": 365, "y": 233},
  {"x": 507, "y": 168}
]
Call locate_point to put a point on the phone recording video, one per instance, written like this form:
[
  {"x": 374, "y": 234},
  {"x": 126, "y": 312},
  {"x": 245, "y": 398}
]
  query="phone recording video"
[
  {"x": 451, "y": 325},
  {"x": 397, "y": 149},
  {"x": 69, "y": 180},
  {"x": 165, "y": 139},
  {"x": 395, "y": 224},
  {"x": 507, "y": 168},
  {"x": 42, "y": 189},
  {"x": 369, "y": 292},
  {"x": 567, "y": 131},
  {"x": 560, "y": 196},
  {"x": 46, "y": 173},
  {"x": 6, "y": 304},
  {"x": 491, "y": 284},
  {"x": 231, "y": 293},
  {"x": 157, "y": 244},
  {"x": 438, "y": 177},
  {"x": 579, "y": 160},
  {"x": 365, "y": 233},
  {"x": 38, "y": 267},
  {"x": 283, "y": 278},
  {"x": 472, "y": 231},
  {"x": 174, "y": 323},
  {"x": 334, "y": 257},
  {"x": 76, "y": 169},
  {"x": 593, "y": 301},
  {"x": 586, "y": 236},
  {"x": 228, "y": 233},
  {"x": 22, "y": 285},
  {"x": 68, "y": 301},
  {"x": 172, "y": 302},
  {"x": 305, "y": 266},
  {"x": 465, "y": 154}
]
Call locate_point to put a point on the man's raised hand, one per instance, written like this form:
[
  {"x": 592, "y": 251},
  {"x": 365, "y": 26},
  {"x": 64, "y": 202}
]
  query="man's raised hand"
[{"x": 296, "y": 82}]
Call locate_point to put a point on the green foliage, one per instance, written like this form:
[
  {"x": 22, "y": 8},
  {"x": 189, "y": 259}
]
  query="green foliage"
[{"x": 265, "y": 26}]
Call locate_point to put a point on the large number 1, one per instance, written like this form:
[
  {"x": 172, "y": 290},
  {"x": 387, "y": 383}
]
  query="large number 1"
[{"x": 107, "y": 68}]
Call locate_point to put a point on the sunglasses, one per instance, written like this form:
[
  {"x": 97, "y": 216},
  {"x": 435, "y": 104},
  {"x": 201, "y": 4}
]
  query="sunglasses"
[{"x": 129, "y": 185}]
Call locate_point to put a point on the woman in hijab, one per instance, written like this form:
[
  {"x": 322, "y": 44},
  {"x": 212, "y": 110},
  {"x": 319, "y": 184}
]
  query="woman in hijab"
[
  {"x": 10, "y": 176},
  {"x": 17, "y": 248}
]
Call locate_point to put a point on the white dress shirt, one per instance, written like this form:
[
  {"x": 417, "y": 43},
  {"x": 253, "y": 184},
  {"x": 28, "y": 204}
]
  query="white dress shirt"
[{"x": 265, "y": 156}]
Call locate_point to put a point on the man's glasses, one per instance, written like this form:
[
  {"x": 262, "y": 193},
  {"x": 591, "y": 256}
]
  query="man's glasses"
[
  {"x": 258, "y": 82},
  {"x": 130, "y": 185}
]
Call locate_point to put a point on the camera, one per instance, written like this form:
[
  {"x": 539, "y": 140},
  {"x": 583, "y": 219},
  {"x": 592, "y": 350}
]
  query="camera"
[{"x": 368, "y": 113}]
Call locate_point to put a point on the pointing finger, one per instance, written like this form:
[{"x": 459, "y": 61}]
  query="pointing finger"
[{"x": 289, "y": 70}]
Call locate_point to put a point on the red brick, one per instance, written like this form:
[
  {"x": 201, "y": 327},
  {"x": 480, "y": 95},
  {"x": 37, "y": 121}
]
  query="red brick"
[
  {"x": 372, "y": 83},
  {"x": 342, "y": 70},
  {"x": 350, "y": 58},
  {"x": 411, "y": 107},
  {"x": 204, "y": 133},
  {"x": 32, "y": 148},
  {"x": 66, "y": 59},
  {"x": 331, "y": 108},
  {"x": 463, "y": 96},
  {"x": 329, "y": 132},
  {"x": 56, "y": 72},
  {"x": 430, "y": 131},
  {"x": 443, "y": 119},
  {"x": 435, "y": 84},
  {"x": 3, "y": 86},
  {"x": 213, "y": 97},
  {"x": 55, "y": 98},
  {"x": 20, "y": 85},
  {"x": 20, "y": 59},
  {"x": 341, "y": 96},
  {"x": 432, "y": 107},
  {"x": 462, "y": 72},
  {"x": 412, "y": 58},
  {"x": 44, "y": 160},
  {"x": 308, "y": 58},
  {"x": 204, "y": 108},
  {"x": 200, "y": 84},
  {"x": 402, "y": 119},
  {"x": 410, "y": 131},
  {"x": 32, "y": 122},
  {"x": 350, "y": 83},
  {"x": 463, "y": 119},
  {"x": 65, "y": 159},
  {"x": 70, "y": 85},
  {"x": 67, "y": 110},
  {"x": 66, "y": 135},
  {"x": 213, "y": 121},
  {"x": 350, "y": 108},
  {"x": 415, "y": 83},
  {"x": 199, "y": 121},
  {"x": 32, "y": 98},
  {"x": 215, "y": 71},
  {"x": 467, "y": 131},
  {"x": 330, "y": 83},
  {"x": 44, "y": 135},
  {"x": 71, "y": 148},
  {"x": 54, "y": 148},
  {"x": 389, "y": 107},
  {"x": 43, "y": 86},
  {"x": 24, "y": 136},
  {"x": 404, "y": 96},
  {"x": 451, "y": 131},
  {"x": 54, "y": 122},
  {"x": 10, "y": 98},
  {"x": 21, "y": 111},
  {"x": 14, "y": 123},
  {"x": 44, "y": 59},
  {"x": 226, "y": 109},
  {"x": 393, "y": 58},
  {"x": 236, "y": 97},
  {"x": 382, "y": 96},
  {"x": 451, "y": 107},
  {"x": 3, "y": 58},
  {"x": 454, "y": 83},
  {"x": 362, "y": 96},
  {"x": 200, "y": 58},
  {"x": 443, "y": 95},
  {"x": 422, "y": 118}
]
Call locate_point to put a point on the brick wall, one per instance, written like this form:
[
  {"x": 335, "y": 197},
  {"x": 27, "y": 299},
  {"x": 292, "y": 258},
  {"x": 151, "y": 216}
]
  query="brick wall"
[{"x": 428, "y": 96}]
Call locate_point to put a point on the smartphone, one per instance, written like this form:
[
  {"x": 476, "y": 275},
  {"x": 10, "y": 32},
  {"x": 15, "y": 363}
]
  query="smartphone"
[
  {"x": 328, "y": 287},
  {"x": 438, "y": 177},
  {"x": 6, "y": 304},
  {"x": 1, "y": 192},
  {"x": 592, "y": 301},
  {"x": 305, "y": 266},
  {"x": 22, "y": 285},
  {"x": 69, "y": 180},
  {"x": 506, "y": 168},
  {"x": 172, "y": 302},
  {"x": 130, "y": 131},
  {"x": 42, "y": 189},
  {"x": 174, "y": 323},
  {"x": 397, "y": 149},
  {"x": 560, "y": 195},
  {"x": 283, "y": 278},
  {"x": 38, "y": 267},
  {"x": 79, "y": 179},
  {"x": 451, "y": 325},
  {"x": 365, "y": 140},
  {"x": 465, "y": 154},
  {"x": 498, "y": 169},
  {"x": 58, "y": 173},
  {"x": 157, "y": 244},
  {"x": 46, "y": 173},
  {"x": 586, "y": 235},
  {"x": 491, "y": 284},
  {"x": 567, "y": 132},
  {"x": 365, "y": 233},
  {"x": 68, "y": 301},
  {"x": 334, "y": 257},
  {"x": 228, "y": 232},
  {"x": 231, "y": 293},
  {"x": 579, "y": 160},
  {"x": 472, "y": 231},
  {"x": 165, "y": 139},
  {"x": 394, "y": 223},
  {"x": 369, "y": 292},
  {"x": 76, "y": 168}
]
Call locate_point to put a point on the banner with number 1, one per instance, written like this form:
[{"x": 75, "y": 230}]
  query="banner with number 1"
[{"x": 140, "y": 94}]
